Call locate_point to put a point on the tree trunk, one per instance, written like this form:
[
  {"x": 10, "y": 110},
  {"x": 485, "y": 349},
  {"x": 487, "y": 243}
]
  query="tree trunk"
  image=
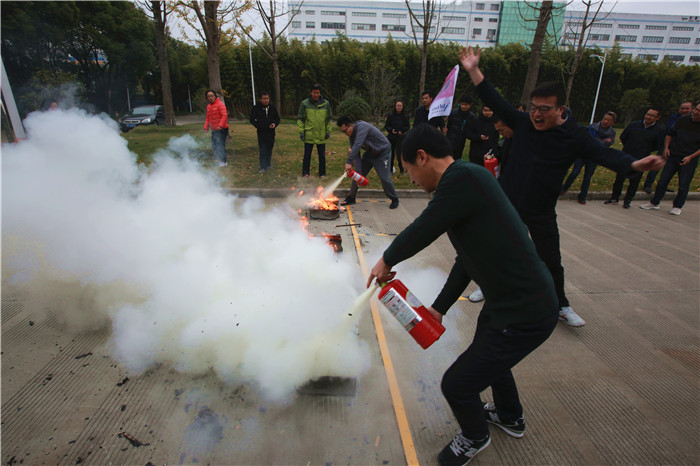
[
  {"x": 160, "y": 16},
  {"x": 211, "y": 29},
  {"x": 533, "y": 68}
]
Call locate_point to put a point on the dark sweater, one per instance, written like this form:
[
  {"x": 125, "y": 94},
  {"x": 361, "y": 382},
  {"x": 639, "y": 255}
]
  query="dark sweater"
[
  {"x": 396, "y": 122},
  {"x": 492, "y": 244},
  {"x": 421, "y": 116},
  {"x": 457, "y": 124},
  {"x": 540, "y": 159},
  {"x": 481, "y": 126},
  {"x": 262, "y": 120},
  {"x": 686, "y": 137},
  {"x": 640, "y": 141}
]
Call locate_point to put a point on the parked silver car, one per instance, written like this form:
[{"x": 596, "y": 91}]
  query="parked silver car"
[{"x": 142, "y": 115}]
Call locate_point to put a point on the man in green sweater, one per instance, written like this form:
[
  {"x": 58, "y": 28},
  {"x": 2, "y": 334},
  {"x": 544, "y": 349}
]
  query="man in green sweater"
[
  {"x": 314, "y": 121},
  {"x": 493, "y": 248}
]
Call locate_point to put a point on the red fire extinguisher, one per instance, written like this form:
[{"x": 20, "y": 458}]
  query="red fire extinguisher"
[
  {"x": 491, "y": 164},
  {"x": 410, "y": 313},
  {"x": 359, "y": 179}
]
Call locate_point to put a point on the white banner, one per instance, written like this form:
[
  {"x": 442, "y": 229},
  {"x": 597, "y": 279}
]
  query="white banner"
[{"x": 442, "y": 104}]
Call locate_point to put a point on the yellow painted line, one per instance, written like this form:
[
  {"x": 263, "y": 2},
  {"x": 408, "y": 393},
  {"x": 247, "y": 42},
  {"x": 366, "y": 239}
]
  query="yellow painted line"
[{"x": 406, "y": 438}]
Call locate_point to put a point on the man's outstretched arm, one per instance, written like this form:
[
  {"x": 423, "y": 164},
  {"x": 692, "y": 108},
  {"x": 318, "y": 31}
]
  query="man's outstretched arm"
[{"x": 470, "y": 62}]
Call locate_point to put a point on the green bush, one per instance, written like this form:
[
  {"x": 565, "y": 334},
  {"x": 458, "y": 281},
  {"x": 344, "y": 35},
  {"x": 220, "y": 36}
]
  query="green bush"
[{"x": 354, "y": 107}]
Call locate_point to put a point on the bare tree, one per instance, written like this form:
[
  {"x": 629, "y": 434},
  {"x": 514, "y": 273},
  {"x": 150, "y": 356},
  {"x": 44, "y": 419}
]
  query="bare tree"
[
  {"x": 159, "y": 11},
  {"x": 425, "y": 30},
  {"x": 380, "y": 82},
  {"x": 212, "y": 17},
  {"x": 269, "y": 18},
  {"x": 580, "y": 34},
  {"x": 533, "y": 67}
]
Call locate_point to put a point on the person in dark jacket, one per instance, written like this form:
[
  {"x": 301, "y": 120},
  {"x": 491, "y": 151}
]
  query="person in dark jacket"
[
  {"x": 458, "y": 123},
  {"x": 604, "y": 133},
  {"x": 423, "y": 111},
  {"x": 482, "y": 135},
  {"x": 493, "y": 247},
  {"x": 265, "y": 118},
  {"x": 684, "y": 109},
  {"x": 639, "y": 139},
  {"x": 546, "y": 141},
  {"x": 396, "y": 126}
]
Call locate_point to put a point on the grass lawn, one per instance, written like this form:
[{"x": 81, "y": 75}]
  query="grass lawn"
[{"x": 243, "y": 165}]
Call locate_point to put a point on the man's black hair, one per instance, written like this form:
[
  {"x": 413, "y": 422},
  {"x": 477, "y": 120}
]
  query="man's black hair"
[
  {"x": 430, "y": 94},
  {"x": 315, "y": 86},
  {"x": 467, "y": 99},
  {"x": 656, "y": 108},
  {"x": 550, "y": 89},
  {"x": 344, "y": 120},
  {"x": 262, "y": 93},
  {"x": 428, "y": 138}
]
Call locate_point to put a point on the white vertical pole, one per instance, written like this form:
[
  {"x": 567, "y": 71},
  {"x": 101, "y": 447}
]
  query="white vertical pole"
[
  {"x": 15, "y": 120},
  {"x": 252, "y": 81},
  {"x": 189, "y": 97},
  {"x": 128, "y": 99},
  {"x": 600, "y": 79}
]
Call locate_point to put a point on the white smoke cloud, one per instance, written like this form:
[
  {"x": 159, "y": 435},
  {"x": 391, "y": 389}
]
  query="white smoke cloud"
[{"x": 187, "y": 275}]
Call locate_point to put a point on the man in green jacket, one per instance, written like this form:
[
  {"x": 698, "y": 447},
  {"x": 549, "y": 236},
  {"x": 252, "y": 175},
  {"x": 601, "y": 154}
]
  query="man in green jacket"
[
  {"x": 315, "y": 124},
  {"x": 493, "y": 248}
]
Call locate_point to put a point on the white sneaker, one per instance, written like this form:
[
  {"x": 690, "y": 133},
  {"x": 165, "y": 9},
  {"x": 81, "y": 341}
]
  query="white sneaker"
[
  {"x": 476, "y": 296},
  {"x": 675, "y": 211},
  {"x": 570, "y": 317},
  {"x": 649, "y": 206},
  {"x": 222, "y": 164}
]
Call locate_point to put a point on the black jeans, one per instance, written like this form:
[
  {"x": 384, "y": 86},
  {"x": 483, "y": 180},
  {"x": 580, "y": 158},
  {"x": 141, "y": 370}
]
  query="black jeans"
[
  {"x": 306, "y": 164},
  {"x": 634, "y": 178},
  {"x": 685, "y": 176},
  {"x": 266, "y": 142},
  {"x": 488, "y": 362},
  {"x": 396, "y": 142},
  {"x": 544, "y": 232}
]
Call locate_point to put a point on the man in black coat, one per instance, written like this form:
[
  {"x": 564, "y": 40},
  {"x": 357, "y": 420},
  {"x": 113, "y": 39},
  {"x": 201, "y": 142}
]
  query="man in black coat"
[
  {"x": 265, "y": 118},
  {"x": 457, "y": 124},
  {"x": 423, "y": 111}
]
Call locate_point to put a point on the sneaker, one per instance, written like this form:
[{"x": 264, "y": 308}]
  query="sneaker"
[
  {"x": 570, "y": 317},
  {"x": 581, "y": 202},
  {"x": 514, "y": 429},
  {"x": 394, "y": 204},
  {"x": 649, "y": 206},
  {"x": 348, "y": 201},
  {"x": 626, "y": 205},
  {"x": 476, "y": 296},
  {"x": 611, "y": 201},
  {"x": 461, "y": 450},
  {"x": 222, "y": 164},
  {"x": 647, "y": 189},
  {"x": 675, "y": 211}
]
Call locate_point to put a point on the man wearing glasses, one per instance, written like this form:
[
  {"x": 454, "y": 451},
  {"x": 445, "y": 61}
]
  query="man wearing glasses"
[
  {"x": 546, "y": 142},
  {"x": 364, "y": 136}
]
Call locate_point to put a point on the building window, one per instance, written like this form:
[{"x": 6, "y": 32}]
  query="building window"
[
  {"x": 393, "y": 15},
  {"x": 571, "y": 36},
  {"x": 491, "y": 35},
  {"x": 625, "y": 38},
  {"x": 310, "y": 25},
  {"x": 601, "y": 25},
  {"x": 332, "y": 25},
  {"x": 393, "y": 27},
  {"x": 453, "y": 30},
  {"x": 653, "y": 39},
  {"x": 629, "y": 26},
  {"x": 431, "y": 30},
  {"x": 296, "y": 24},
  {"x": 679, "y": 40},
  {"x": 455, "y": 18},
  {"x": 655, "y": 28},
  {"x": 478, "y": 20},
  {"x": 493, "y": 20},
  {"x": 332, "y": 13},
  {"x": 683, "y": 28},
  {"x": 599, "y": 37},
  {"x": 643, "y": 56},
  {"x": 295, "y": 12},
  {"x": 697, "y": 41},
  {"x": 494, "y": 7},
  {"x": 364, "y": 27},
  {"x": 310, "y": 12},
  {"x": 624, "y": 56},
  {"x": 476, "y": 32},
  {"x": 480, "y": 6},
  {"x": 363, "y": 13},
  {"x": 675, "y": 57},
  {"x": 574, "y": 24},
  {"x": 694, "y": 59}
]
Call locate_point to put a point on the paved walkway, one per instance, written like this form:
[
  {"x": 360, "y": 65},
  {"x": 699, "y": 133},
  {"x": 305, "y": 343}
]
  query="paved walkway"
[{"x": 624, "y": 389}]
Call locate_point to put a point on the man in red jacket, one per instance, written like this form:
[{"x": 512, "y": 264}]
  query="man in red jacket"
[{"x": 217, "y": 120}]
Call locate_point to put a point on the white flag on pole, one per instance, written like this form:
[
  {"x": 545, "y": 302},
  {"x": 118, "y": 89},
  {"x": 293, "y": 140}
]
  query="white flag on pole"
[{"x": 442, "y": 104}]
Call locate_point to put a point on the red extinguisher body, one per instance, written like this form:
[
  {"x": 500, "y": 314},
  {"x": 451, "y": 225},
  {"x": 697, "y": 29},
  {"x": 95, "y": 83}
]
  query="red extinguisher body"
[
  {"x": 359, "y": 179},
  {"x": 491, "y": 164},
  {"x": 410, "y": 313}
]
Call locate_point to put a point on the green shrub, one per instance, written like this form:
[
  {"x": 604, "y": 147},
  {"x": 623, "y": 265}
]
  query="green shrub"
[{"x": 354, "y": 107}]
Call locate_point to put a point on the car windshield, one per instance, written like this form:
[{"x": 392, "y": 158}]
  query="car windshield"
[{"x": 142, "y": 111}]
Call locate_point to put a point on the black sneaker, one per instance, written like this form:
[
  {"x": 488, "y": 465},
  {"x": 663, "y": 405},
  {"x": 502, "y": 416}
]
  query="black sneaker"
[
  {"x": 394, "y": 204},
  {"x": 461, "y": 450},
  {"x": 611, "y": 201},
  {"x": 647, "y": 189},
  {"x": 514, "y": 429},
  {"x": 348, "y": 201},
  {"x": 626, "y": 205}
]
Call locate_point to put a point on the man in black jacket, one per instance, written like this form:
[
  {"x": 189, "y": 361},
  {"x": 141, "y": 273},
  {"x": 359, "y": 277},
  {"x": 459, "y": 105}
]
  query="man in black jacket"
[
  {"x": 458, "y": 123},
  {"x": 493, "y": 247},
  {"x": 546, "y": 142},
  {"x": 265, "y": 118},
  {"x": 423, "y": 111}
]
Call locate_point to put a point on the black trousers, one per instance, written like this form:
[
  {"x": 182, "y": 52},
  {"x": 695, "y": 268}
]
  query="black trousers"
[
  {"x": 634, "y": 178},
  {"x": 545, "y": 234},
  {"x": 488, "y": 362}
]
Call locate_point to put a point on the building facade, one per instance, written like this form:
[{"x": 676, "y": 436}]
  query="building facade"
[{"x": 489, "y": 22}]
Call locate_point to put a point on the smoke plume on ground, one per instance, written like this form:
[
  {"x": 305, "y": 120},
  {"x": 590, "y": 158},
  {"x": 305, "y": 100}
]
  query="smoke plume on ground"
[{"x": 186, "y": 275}]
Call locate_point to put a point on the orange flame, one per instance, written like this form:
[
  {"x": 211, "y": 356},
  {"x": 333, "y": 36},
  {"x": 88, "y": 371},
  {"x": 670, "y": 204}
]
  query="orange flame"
[{"x": 323, "y": 202}]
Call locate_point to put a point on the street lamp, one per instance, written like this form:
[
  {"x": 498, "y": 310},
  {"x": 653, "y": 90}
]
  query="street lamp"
[{"x": 595, "y": 102}]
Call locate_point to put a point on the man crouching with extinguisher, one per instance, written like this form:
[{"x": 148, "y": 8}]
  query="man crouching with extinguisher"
[{"x": 493, "y": 248}]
